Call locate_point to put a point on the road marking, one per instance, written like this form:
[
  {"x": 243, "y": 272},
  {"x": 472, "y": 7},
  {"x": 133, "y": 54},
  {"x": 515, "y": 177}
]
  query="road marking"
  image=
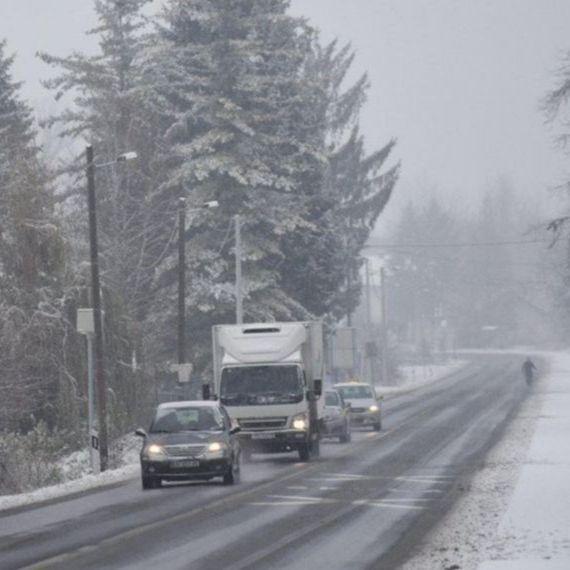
[
  {"x": 385, "y": 505},
  {"x": 408, "y": 491},
  {"x": 350, "y": 475},
  {"x": 298, "y": 487},
  {"x": 433, "y": 477},
  {"x": 413, "y": 479},
  {"x": 284, "y": 504},
  {"x": 406, "y": 500},
  {"x": 300, "y": 498}
]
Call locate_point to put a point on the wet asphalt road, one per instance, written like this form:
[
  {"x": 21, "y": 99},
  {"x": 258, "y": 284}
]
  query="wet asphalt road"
[{"x": 361, "y": 505}]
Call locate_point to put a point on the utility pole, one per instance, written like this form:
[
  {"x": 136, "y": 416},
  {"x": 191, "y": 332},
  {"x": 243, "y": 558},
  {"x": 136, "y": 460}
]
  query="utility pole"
[
  {"x": 97, "y": 321},
  {"x": 371, "y": 352},
  {"x": 239, "y": 290},
  {"x": 182, "y": 281},
  {"x": 384, "y": 327}
]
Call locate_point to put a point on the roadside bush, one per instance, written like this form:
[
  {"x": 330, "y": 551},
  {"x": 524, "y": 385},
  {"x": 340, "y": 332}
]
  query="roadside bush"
[{"x": 29, "y": 461}]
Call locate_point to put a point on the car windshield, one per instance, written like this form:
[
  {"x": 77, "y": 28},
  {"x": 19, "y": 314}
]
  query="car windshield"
[
  {"x": 331, "y": 399},
  {"x": 261, "y": 385},
  {"x": 356, "y": 392},
  {"x": 171, "y": 420}
]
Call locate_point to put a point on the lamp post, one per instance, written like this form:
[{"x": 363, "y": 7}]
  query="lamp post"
[
  {"x": 239, "y": 290},
  {"x": 182, "y": 211},
  {"x": 100, "y": 380}
]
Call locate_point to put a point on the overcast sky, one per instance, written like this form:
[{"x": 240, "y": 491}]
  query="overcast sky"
[{"x": 457, "y": 82}]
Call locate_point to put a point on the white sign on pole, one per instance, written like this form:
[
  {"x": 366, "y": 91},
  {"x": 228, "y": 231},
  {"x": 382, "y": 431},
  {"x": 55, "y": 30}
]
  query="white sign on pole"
[
  {"x": 344, "y": 348},
  {"x": 184, "y": 371},
  {"x": 85, "y": 323}
]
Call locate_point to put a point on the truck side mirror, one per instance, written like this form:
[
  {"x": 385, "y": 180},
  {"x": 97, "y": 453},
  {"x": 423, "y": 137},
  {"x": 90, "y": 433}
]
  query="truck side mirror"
[
  {"x": 318, "y": 388},
  {"x": 205, "y": 391}
]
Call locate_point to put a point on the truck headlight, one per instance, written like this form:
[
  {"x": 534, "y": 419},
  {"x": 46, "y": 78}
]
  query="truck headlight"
[
  {"x": 300, "y": 421},
  {"x": 373, "y": 408},
  {"x": 154, "y": 452}
]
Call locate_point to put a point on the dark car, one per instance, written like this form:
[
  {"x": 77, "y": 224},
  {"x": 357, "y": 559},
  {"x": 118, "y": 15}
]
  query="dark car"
[
  {"x": 190, "y": 440},
  {"x": 336, "y": 420}
]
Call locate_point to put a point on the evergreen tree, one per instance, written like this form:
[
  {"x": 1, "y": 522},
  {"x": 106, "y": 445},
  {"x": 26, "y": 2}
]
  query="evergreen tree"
[
  {"x": 32, "y": 322},
  {"x": 356, "y": 188},
  {"x": 110, "y": 111},
  {"x": 231, "y": 96},
  {"x": 425, "y": 284}
]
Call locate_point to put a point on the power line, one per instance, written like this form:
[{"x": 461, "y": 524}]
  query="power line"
[{"x": 451, "y": 245}]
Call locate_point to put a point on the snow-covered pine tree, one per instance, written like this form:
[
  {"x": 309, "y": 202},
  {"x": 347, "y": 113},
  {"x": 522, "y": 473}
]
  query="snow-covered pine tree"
[
  {"x": 32, "y": 321},
  {"x": 356, "y": 188},
  {"x": 425, "y": 283},
  {"x": 108, "y": 108},
  {"x": 228, "y": 77}
]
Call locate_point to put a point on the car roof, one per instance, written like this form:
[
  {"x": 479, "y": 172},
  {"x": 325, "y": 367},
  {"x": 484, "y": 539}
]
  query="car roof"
[{"x": 190, "y": 403}]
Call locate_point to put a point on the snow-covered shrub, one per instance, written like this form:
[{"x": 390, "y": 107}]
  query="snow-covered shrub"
[{"x": 28, "y": 461}]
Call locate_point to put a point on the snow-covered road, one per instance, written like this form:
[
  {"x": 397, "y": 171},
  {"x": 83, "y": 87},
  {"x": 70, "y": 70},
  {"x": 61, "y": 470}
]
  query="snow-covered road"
[
  {"x": 516, "y": 515},
  {"x": 362, "y": 505}
]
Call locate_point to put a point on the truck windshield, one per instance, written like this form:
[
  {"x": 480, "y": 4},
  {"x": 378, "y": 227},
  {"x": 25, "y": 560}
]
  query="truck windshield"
[{"x": 261, "y": 385}]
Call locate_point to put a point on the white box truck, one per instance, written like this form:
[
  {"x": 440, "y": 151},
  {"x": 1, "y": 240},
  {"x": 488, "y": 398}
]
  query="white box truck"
[{"x": 269, "y": 378}]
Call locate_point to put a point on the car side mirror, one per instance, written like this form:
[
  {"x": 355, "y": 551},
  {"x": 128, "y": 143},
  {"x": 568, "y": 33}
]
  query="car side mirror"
[
  {"x": 348, "y": 405},
  {"x": 318, "y": 388},
  {"x": 234, "y": 430},
  {"x": 141, "y": 432},
  {"x": 206, "y": 391}
]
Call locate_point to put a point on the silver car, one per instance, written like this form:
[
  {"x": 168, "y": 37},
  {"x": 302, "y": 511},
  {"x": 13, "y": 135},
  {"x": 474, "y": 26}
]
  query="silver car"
[
  {"x": 364, "y": 405},
  {"x": 336, "y": 420}
]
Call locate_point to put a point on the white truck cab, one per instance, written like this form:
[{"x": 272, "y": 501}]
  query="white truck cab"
[{"x": 269, "y": 376}]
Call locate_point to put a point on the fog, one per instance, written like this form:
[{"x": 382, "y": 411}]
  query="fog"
[
  {"x": 342, "y": 225},
  {"x": 457, "y": 83}
]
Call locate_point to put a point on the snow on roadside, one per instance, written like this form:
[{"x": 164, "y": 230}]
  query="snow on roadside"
[
  {"x": 85, "y": 483},
  {"x": 461, "y": 540},
  {"x": 515, "y": 513},
  {"x": 76, "y": 472},
  {"x": 414, "y": 377}
]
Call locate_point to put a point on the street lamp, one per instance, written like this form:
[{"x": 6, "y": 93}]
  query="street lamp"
[
  {"x": 182, "y": 271},
  {"x": 96, "y": 296}
]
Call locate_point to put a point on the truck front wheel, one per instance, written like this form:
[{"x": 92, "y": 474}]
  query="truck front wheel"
[{"x": 304, "y": 452}]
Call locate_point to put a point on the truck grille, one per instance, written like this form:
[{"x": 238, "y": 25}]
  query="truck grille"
[
  {"x": 358, "y": 410},
  {"x": 185, "y": 450},
  {"x": 262, "y": 423}
]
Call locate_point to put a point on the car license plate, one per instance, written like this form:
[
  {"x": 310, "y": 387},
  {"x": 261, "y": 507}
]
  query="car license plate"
[
  {"x": 186, "y": 463},
  {"x": 262, "y": 436}
]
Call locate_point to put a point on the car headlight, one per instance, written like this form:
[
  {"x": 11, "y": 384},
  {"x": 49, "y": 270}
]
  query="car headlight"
[
  {"x": 216, "y": 449},
  {"x": 300, "y": 421},
  {"x": 154, "y": 451},
  {"x": 373, "y": 408}
]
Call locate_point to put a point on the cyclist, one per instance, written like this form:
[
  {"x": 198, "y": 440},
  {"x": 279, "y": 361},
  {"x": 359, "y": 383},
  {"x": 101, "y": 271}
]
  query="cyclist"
[{"x": 528, "y": 369}]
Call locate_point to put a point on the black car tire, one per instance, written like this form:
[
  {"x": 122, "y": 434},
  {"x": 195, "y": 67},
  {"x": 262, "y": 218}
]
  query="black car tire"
[
  {"x": 232, "y": 475},
  {"x": 149, "y": 482},
  {"x": 378, "y": 426}
]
